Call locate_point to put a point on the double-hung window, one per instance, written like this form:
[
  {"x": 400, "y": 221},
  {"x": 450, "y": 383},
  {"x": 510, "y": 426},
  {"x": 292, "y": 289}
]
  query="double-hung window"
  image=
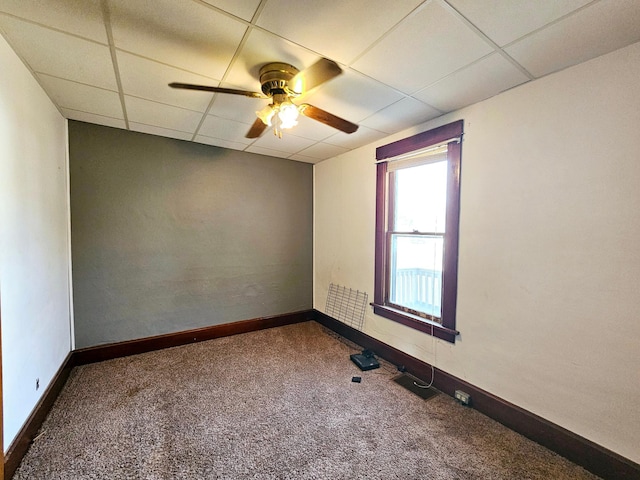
[{"x": 417, "y": 212}]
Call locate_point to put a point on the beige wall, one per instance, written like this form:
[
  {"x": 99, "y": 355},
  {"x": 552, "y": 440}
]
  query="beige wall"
[
  {"x": 549, "y": 263},
  {"x": 34, "y": 240}
]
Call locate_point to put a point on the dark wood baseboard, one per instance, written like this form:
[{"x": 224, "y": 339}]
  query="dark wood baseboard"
[
  {"x": 25, "y": 436},
  {"x": 133, "y": 347},
  {"x": 583, "y": 452}
]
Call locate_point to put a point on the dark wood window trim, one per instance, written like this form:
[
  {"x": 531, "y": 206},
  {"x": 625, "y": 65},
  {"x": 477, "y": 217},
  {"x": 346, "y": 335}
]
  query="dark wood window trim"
[{"x": 447, "y": 330}]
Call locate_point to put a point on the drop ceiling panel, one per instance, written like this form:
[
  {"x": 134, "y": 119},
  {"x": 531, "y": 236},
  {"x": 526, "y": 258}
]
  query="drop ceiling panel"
[
  {"x": 226, "y": 129},
  {"x": 312, "y": 129},
  {"x": 352, "y": 96},
  {"x": 289, "y": 143},
  {"x": 267, "y": 151},
  {"x": 362, "y": 137},
  {"x": 430, "y": 45},
  {"x": 303, "y": 158},
  {"x": 217, "y": 142},
  {"x": 61, "y": 55},
  {"x": 244, "y": 9},
  {"x": 506, "y": 21},
  {"x": 186, "y": 35},
  {"x": 162, "y": 132},
  {"x": 322, "y": 151},
  {"x": 160, "y": 115},
  {"x": 362, "y": 21},
  {"x": 237, "y": 107},
  {"x": 93, "y": 118},
  {"x": 80, "y": 17},
  {"x": 76, "y": 96},
  {"x": 150, "y": 80},
  {"x": 261, "y": 48},
  {"x": 400, "y": 115},
  {"x": 481, "y": 80},
  {"x": 602, "y": 28}
]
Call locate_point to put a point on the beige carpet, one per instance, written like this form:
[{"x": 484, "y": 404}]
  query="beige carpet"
[{"x": 274, "y": 404}]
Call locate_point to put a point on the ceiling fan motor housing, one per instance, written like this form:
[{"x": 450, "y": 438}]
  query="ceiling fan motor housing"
[{"x": 274, "y": 78}]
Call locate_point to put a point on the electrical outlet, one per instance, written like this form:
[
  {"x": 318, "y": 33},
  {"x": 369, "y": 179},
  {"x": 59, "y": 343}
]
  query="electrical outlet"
[
  {"x": 37, "y": 383},
  {"x": 462, "y": 397}
]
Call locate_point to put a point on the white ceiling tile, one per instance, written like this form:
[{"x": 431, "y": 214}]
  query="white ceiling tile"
[
  {"x": 483, "y": 79},
  {"x": 226, "y": 129},
  {"x": 244, "y": 9},
  {"x": 336, "y": 29},
  {"x": 80, "y": 17},
  {"x": 363, "y": 136},
  {"x": 402, "y": 114},
  {"x": 59, "y": 54},
  {"x": 76, "y": 96},
  {"x": 303, "y": 158},
  {"x": 237, "y": 107},
  {"x": 267, "y": 151},
  {"x": 322, "y": 151},
  {"x": 148, "y": 79},
  {"x": 352, "y": 96},
  {"x": 312, "y": 129},
  {"x": 184, "y": 34},
  {"x": 261, "y": 48},
  {"x": 160, "y": 115},
  {"x": 431, "y": 44},
  {"x": 92, "y": 118},
  {"x": 289, "y": 143},
  {"x": 159, "y": 131},
  {"x": 601, "y": 28},
  {"x": 505, "y": 21},
  {"x": 217, "y": 142}
]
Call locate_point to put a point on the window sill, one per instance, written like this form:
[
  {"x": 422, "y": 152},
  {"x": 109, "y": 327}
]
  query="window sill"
[{"x": 416, "y": 322}]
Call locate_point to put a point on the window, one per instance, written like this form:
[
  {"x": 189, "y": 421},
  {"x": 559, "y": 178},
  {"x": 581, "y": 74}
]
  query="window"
[{"x": 417, "y": 212}]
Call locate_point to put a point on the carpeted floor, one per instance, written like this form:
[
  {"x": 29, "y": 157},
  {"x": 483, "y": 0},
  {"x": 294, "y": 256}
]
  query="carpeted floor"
[{"x": 274, "y": 404}]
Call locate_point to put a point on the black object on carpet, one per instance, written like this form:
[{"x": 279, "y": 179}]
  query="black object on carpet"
[{"x": 416, "y": 386}]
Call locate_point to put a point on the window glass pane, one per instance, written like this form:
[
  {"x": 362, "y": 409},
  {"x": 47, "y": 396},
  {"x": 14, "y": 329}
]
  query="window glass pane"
[
  {"x": 421, "y": 198},
  {"x": 415, "y": 274}
]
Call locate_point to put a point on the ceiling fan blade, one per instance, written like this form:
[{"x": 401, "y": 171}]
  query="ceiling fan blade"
[
  {"x": 256, "y": 129},
  {"x": 318, "y": 73},
  {"x": 205, "y": 88},
  {"x": 327, "y": 118}
]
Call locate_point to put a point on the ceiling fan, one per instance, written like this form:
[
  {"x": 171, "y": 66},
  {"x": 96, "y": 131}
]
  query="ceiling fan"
[{"x": 282, "y": 83}]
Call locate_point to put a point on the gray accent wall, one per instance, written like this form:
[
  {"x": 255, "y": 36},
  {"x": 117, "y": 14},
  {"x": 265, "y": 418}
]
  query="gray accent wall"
[{"x": 168, "y": 235}]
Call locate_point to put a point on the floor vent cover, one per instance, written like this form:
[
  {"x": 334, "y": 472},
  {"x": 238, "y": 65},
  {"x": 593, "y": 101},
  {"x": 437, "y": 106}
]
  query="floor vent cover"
[{"x": 411, "y": 384}]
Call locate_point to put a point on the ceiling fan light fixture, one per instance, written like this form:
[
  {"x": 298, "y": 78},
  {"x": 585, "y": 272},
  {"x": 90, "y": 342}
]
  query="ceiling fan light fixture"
[
  {"x": 266, "y": 114},
  {"x": 288, "y": 115}
]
